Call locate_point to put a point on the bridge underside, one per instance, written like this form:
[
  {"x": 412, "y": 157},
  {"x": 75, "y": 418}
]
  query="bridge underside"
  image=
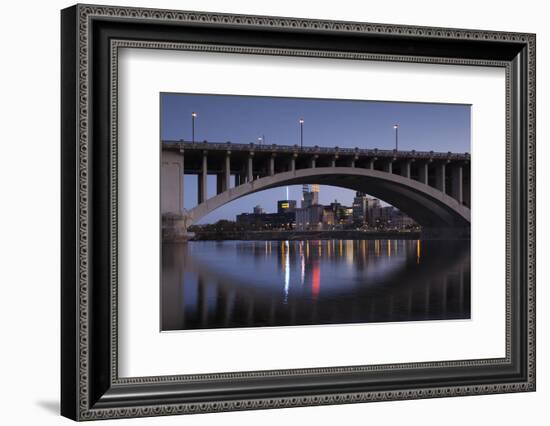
[
  {"x": 437, "y": 219},
  {"x": 439, "y": 215}
]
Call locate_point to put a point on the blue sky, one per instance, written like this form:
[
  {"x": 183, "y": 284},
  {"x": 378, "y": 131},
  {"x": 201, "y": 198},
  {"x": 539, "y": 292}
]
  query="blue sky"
[{"x": 327, "y": 122}]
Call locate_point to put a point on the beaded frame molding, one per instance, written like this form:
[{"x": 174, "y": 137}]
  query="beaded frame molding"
[{"x": 91, "y": 38}]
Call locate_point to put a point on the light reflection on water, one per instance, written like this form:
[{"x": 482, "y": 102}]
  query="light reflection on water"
[{"x": 217, "y": 284}]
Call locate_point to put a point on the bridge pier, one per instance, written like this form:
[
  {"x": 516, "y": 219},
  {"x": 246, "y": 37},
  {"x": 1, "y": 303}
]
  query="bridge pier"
[
  {"x": 292, "y": 163},
  {"x": 203, "y": 179},
  {"x": 440, "y": 177},
  {"x": 406, "y": 169},
  {"x": 423, "y": 173},
  {"x": 272, "y": 165},
  {"x": 312, "y": 161},
  {"x": 371, "y": 163},
  {"x": 226, "y": 173},
  {"x": 174, "y": 226},
  {"x": 172, "y": 175},
  {"x": 466, "y": 189},
  {"x": 388, "y": 167},
  {"x": 456, "y": 184},
  {"x": 250, "y": 168}
]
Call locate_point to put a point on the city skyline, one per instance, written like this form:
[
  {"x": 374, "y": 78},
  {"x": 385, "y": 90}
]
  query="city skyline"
[
  {"x": 364, "y": 213},
  {"x": 326, "y": 123}
]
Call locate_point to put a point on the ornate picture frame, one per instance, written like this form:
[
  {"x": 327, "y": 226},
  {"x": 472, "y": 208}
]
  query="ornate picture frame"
[{"x": 91, "y": 37}]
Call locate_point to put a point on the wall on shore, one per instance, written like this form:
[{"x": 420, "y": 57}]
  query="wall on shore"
[{"x": 305, "y": 235}]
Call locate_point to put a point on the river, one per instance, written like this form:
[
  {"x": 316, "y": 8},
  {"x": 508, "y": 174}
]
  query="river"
[{"x": 229, "y": 284}]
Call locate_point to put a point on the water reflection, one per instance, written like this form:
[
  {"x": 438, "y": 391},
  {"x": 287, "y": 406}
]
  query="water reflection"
[{"x": 273, "y": 283}]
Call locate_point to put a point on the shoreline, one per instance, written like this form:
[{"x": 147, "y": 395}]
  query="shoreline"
[{"x": 304, "y": 235}]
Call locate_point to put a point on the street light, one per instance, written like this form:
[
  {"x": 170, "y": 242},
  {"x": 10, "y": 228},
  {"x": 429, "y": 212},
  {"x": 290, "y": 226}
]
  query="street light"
[
  {"x": 193, "y": 116},
  {"x": 301, "y": 133},
  {"x": 396, "y": 127}
]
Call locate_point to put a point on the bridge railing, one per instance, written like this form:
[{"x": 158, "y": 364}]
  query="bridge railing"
[{"x": 256, "y": 147}]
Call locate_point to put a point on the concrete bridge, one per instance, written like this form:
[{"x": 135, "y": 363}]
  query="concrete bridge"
[{"x": 433, "y": 188}]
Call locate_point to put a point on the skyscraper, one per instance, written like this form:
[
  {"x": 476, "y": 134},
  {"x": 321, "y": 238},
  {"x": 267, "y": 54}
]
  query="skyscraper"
[
  {"x": 360, "y": 209},
  {"x": 310, "y": 195},
  {"x": 374, "y": 212}
]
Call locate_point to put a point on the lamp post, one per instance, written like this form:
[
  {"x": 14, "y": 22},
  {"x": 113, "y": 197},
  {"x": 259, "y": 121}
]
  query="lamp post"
[
  {"x": 193, "y": 116},
  {"x": 301, "y": 133},
  {"x": 396, "y": 127}
]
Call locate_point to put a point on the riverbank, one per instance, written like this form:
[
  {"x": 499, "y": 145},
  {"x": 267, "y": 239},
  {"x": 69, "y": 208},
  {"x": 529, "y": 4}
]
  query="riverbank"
[{"x": 305, "y": 235}]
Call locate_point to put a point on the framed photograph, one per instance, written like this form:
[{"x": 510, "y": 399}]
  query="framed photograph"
[{"x": 263, "y": 212}]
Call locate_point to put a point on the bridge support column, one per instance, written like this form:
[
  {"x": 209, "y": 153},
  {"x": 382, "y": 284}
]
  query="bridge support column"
[
  {"x": 226, "y": 180},
  {"x": 466, "y": 189},
  {"x": 333, "y": 161},
  {"x": 388, "y": 167},
  {"x": 406, "y": 169},
  {"x": 172, "y": 185},
  {"x": 203, "y": 179},
  {"x": 440, "y": 177},
  {"x": 352, "y": 162},
  {"x": 250, "y": 168},
  {"x": 292, "y": 163},
  {"x": 457, "y": 191},
  {"x": 371, "y": 163},
  {"x": 272, "y": 165},
  {"x": 312, "y": 161},
  {"x": 423, "y": 173}
]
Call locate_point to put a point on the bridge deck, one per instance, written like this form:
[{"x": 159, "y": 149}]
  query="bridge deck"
[
  {"x": 432, "y": 187},
  {"x": 312, "y": 150}
]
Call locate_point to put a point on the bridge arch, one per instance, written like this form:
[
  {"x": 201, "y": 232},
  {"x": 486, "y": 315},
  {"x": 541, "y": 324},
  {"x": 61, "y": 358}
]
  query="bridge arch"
[{"x": 439, "y": 214}]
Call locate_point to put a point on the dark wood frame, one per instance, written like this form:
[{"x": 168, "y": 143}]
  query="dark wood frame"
[{"x": 90, "y": 386}]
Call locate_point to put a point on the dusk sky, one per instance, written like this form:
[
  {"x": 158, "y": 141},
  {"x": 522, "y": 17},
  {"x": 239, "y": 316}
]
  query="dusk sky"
[{"x": 327, "y": 122}]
